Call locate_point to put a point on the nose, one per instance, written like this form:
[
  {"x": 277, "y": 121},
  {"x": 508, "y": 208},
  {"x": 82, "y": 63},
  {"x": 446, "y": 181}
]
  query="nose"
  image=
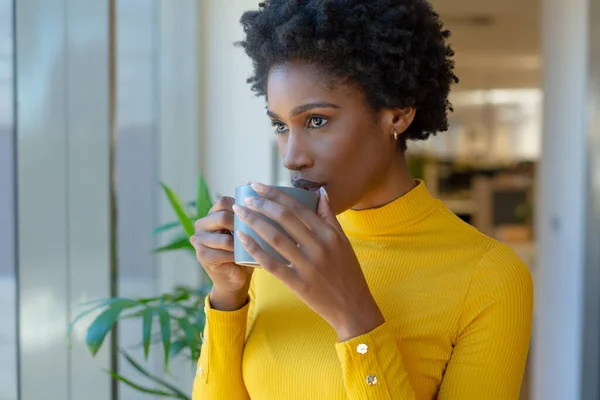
[{"x": 296, "y": 152}]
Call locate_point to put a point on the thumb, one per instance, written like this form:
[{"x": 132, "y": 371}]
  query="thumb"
[{"x": 325, "y": 212}]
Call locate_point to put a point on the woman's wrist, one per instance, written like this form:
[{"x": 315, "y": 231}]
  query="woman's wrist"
[
  {"x": 227, "y": 301},
  {"x": 358, "y": 323}
]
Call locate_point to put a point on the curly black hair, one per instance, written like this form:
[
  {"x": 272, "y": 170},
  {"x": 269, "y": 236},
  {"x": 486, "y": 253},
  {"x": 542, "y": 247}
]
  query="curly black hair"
[{"x": 395, "y": 51}]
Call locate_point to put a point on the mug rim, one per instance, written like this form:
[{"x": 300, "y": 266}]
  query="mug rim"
[{"x": 248, "y": 263}]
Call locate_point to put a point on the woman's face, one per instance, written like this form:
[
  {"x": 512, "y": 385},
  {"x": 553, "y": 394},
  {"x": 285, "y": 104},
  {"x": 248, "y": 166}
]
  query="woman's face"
[{"x": 327, "y": 135}]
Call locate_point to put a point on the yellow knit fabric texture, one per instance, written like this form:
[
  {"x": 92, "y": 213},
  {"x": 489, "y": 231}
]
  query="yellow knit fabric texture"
[{"x": 457, "y": 304}]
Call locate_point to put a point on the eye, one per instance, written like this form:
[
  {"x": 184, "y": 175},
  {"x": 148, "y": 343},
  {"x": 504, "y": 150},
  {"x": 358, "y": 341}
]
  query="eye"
[
  {"x": 316, "y": 122},
  {"x": 278, "y": 127}
]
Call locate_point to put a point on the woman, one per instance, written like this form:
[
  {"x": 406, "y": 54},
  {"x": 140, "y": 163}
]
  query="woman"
[{"x": 396, "y": 298}]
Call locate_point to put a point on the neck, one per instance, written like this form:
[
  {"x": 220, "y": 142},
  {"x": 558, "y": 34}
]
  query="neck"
[{"x": 396, "y": 182}]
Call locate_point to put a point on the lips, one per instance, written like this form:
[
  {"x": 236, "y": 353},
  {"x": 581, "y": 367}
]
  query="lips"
[{"x": 306, "y": 184}]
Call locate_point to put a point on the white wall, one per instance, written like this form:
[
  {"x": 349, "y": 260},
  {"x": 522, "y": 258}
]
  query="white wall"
[
  {"x": 63, "y": 212},
  {"x": 8, "y": 283},
  {"x": 567, "y": 308},
  {"x": 237, "y": 137}
]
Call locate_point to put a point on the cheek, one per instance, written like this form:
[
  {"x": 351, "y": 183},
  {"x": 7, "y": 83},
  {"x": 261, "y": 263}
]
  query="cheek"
[
  {"x": 356, "y": 159},
  {"x": 353, "y": 170},
  {"x": 357, "y": 149},
  {"x": 281, "y": 147}
]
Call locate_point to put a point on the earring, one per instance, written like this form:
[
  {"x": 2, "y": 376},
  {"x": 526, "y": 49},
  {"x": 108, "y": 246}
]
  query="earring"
[{"x": 395, "y": 134}]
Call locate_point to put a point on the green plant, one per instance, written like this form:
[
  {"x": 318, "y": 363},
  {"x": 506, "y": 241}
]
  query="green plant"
[{"x": 179, "y": 314}]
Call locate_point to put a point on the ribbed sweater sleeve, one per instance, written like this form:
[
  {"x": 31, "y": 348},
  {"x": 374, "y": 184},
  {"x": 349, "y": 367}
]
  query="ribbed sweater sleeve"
[
  {"x": 490, "y": 349},
  {"x": 219, "y": 368},
  {"x": 494, "y": 331},
  {"x": 372, "y": 367}
]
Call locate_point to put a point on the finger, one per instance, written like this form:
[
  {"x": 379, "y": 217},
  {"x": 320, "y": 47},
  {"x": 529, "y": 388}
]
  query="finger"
[
  {"x": 213, "y": 258},
  {"x": 325, "y": 212},
  {"x": 309, "y": 218},
  {"x": 273, "y": 236},
  {"x": 223, "y": 204},
  {"x": 217, "y": 241},
  {"x": 221, "y": 220},
  {"x": 281, "y": 271},
  {"x": 285, "y": 217}
]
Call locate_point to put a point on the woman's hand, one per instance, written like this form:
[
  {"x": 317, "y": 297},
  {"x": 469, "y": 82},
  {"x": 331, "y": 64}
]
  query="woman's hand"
[
  {"x": 214, "y": 250},
  {"x": 324, "y": 271}
]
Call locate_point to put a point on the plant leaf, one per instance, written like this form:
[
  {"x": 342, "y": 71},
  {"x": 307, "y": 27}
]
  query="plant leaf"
[
  {"x": 143, "y": 389},
  {"x": 176, "y": 245},
  {"x": 166, "y": 227},
  {"x": 147, "y": 330},
  {"x": 165, "y": 330},
  {"x": 104, "y": 323},
  {"x": 98, "y": 304},
  {"x": 103, "y": 303},
  {"x": 181, "y": 294},
  {"x": 177, "y": 206},
  {"x": 192, "y": 336},
  {"x": 177, "y": 346},
  {"x": 153, "y": 378},
  {"x": 203, "y": 201}
]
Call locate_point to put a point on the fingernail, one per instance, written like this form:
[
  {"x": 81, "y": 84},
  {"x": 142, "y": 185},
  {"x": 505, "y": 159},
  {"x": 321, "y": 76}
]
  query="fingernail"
[
  {"x": 240, "y": 211},
  {"x": 242, "y": 237},
  {"x": 258, "y": 187},
  {"x": 250, "y": 200},
  {"x": 226, "y": 200},
  {"x": 323, "y": 193}
]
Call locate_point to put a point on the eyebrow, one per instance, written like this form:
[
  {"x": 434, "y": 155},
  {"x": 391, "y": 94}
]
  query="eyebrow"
[{"x": 305, "y": 107}]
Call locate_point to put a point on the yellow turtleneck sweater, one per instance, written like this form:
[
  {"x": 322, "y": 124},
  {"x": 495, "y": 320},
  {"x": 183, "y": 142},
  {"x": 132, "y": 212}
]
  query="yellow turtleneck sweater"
[{"x": 457, "y": 304}]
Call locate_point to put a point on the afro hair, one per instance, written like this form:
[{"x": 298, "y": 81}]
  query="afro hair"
[{"x": 395, "y": 51}]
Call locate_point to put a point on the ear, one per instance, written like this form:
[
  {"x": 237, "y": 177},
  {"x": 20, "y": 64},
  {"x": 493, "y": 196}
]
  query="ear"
[{"x": 398, "y": 119}]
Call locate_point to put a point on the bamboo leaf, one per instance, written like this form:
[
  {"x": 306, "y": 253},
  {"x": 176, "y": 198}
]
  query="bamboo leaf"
[
  {"x": 203, "y": 201},
  {"x": 192, "y": 336},
  {"x": 176, "y": 245},
  {"x": 177, "y": 346},
  {"x": 98, "y": 304},
  {"x": 166, "y": 227},
  {"x": 187, "y": 289},
  {"x": 165, "y": 329},
  {"x": 144, "y": 389},
  {"x": 192, "y": 251},
  {"x": 103, "y": 303},
  {"x": 153, "y": 378},
  {"x": 193, "y": 207},
  {"x": 180, "y": 297},
  {"x": 147, "y": 330},
  {"x": 177, "y": 206},
  {"x": 98, "y": 330}
]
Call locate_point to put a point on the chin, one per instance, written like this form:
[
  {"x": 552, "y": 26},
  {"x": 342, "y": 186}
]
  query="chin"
[{"x": 336, "y": 205}]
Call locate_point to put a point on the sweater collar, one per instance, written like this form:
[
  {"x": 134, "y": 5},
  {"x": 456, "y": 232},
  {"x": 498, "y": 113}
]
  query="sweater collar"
[{"x": 389, "y": 218}]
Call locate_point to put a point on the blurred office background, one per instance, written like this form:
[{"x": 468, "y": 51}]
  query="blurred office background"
[{"x": 157, "y": 87}]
